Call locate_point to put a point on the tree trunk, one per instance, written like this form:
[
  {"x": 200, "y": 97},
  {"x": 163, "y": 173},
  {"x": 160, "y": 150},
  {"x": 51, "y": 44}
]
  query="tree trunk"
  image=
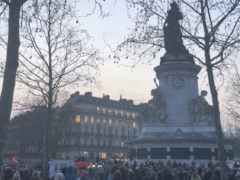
[
  {"x": 220, "y": 137},
  {"x": 9, "y": 72}
]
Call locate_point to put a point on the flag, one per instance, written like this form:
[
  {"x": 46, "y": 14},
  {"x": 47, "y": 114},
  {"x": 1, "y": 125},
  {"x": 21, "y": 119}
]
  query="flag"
[{"x": 51, "y": 170}]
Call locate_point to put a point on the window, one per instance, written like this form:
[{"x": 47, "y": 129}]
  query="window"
[
  {"x": 122, "y": 133},
  {"x": 98, "y": 120},
  {"x": 104, "y": 132},
  {"x": 134, "y": 124},
  {"x": 133, "y": 116},
  {"x": 92, "y": 120},
  {"x": 104, "y": 142},
  {"x": 85, "y": 142},
  {"x": 102, "y": 154},
  {"x": 78, "y": 119},
  {"x": 122, "y": 123},
  {"x": 92, "y": 131},
  {"x": 98, "y": 109},
  {"x": 128, "y": 124},
  {"x": 104, "y": 121},
  {"x": 116, "y": 122},
  {"x": 122, "y": 143},
  {"x": 116, "y": 143},
  {"x": 104, "y": 111},
  {"x": 110, "y": 142},
  {"x": 110, "y": 122},
  {"x": 91, "y": 142},
  {"x": 128, "y": 134},
  {"x": 116, "y": 133},
  {"x": 86, "y": 119},
  {"x": 116, "y": 113},
  {"x": 121, "y": 113},
  {"x": 127, "y": 114},
  {"x": 98, "y": 142},
  {"x": 109, "y": 111},
  {"x": 86, "y": 154}
]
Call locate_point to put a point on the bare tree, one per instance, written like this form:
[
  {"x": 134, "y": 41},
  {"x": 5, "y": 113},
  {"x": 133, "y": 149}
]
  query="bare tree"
[
  {"x": 56, "y": 54},
  {"x": 210, "y": 30},
  {"x": 10, "y": 11},
  {"x": 11, "y": 66}
]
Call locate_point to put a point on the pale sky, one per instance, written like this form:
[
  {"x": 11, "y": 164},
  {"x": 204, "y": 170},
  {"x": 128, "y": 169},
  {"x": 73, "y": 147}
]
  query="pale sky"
[{"x": 133, "y": 84}]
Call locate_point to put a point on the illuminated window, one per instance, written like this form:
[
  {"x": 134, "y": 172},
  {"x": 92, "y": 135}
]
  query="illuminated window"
[
  {"x": 122, "y": 143},
  {"x": 127, "y": 114},
  {"x": 109, "y": 111},
  {"x": 104, "y": 121},
  {"x": 98, "y": 109},
  {"x": 92, "y": 120},
  {"x": 86, "y": 154},
  {"x": 134, "y": 124},
  {"x": 102, "y": 154},
  {"x": 116, "y": 113},
  {"x": 116, "y": 122},
  {"x": 116, "y": 143},
  {"x": 86, "y": 119},
  {"x": 98, "y": 120},
  {"x": 110, "y": 122},
  {"x": 78, "y": 119},
  {"x": 104, "y": 111},
  {"x": 121, "y": 113},
  {"x": 133, "y": 115}
]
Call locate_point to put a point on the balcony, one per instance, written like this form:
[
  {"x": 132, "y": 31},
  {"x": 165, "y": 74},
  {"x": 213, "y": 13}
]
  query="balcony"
[{"x": 123, "y": 137}]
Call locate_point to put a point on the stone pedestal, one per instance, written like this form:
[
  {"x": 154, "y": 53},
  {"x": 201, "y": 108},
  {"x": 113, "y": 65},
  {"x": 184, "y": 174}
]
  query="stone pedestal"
[{"x": 179, "y": 136}]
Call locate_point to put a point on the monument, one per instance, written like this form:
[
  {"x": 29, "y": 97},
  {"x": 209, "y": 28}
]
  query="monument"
[{"x": 179, "y": 122}]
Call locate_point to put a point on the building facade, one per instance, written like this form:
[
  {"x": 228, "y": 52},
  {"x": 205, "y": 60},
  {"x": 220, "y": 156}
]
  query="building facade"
[{"x": 99, "y": 128}]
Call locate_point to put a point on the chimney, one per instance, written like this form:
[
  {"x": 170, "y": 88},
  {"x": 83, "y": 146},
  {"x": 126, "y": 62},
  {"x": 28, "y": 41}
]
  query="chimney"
[{"x": 88, "y": 94}]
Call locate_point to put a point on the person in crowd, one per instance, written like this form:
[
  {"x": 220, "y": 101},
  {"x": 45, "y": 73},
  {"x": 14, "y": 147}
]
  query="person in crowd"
[
  {"x": 36, "y": 175},
  {"x": 117, "y": 176},
  {"x": 101, "y": 176},
  {"x": 113, "y": 170},
  {"x": 59, "y": 176},
  {"x": 153, "y": 175},
  {"x": 16, "y": 176},
  {"x": 84, "y": 175},
  {"x": 70, "y": 174}
]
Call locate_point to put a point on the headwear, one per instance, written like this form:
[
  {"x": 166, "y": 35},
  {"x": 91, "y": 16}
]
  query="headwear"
[
  {"x": 153, "y": 174},
  {"x": 58, "y": 176},
  {"x": 84, "y": 173},
  {"x": 36, "y": 175},
  {"x": 16, "y": 175}
]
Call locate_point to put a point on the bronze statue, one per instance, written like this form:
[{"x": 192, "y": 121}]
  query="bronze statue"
[{"x": 172, "y": 33}]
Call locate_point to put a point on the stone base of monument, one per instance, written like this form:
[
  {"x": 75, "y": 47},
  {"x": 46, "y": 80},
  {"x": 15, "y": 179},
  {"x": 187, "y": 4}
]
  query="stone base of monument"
[
  {"x": 179, "y": 122},
  {"x": 184, "y": 144}
]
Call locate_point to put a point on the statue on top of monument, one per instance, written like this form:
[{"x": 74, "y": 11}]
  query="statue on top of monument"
[
  {"x": 172, "y": 33},
  {"x": 155, "y": 110},
  {"x": 200, "y": 110}
]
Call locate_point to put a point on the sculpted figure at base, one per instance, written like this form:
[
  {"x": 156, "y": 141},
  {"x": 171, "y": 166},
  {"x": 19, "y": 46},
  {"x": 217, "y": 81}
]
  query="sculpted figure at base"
[
  {"x": 200, "y": 110},
  {"x": 154, "y": 111}
]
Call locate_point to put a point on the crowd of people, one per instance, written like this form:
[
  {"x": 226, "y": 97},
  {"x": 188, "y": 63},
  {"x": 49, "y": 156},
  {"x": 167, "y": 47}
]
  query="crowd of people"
[{"x": 124, "y": 171}]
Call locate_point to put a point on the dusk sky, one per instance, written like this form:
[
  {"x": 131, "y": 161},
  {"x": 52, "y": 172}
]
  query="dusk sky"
[{"x": 134, "y": 84}]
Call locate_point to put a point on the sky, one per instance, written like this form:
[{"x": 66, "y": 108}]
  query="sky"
[{"x": 115, "y": 80}]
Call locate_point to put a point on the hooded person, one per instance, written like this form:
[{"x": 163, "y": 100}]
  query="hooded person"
[{"x": 70, "y": 174}]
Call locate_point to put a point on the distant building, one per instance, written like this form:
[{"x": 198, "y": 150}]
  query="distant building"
[
  {"x": 99, "y": 128},
  {"x": 96, "y": 128}
]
